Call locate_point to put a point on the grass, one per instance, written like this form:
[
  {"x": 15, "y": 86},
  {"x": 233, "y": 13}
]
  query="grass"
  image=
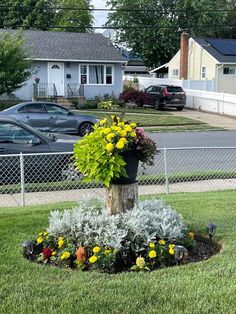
[{"x": 205, "y": 287}]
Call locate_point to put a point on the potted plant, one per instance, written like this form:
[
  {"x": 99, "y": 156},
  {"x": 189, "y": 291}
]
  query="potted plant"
[{"x": 110, "y": 154}]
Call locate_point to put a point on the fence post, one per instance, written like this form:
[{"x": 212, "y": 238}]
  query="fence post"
[
  {"x": 22, "y": 180},
  {"x": 166, "y": 171}
]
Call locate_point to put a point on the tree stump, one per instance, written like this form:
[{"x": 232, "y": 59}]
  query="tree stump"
[{"x": 122, "y": 197}]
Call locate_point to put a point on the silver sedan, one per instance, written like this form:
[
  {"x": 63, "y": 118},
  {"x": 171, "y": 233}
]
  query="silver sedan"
[{"x": 51, "y": 117}]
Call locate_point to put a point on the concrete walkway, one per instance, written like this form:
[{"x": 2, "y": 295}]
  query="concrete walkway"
[{"x": 215, "y": 120}]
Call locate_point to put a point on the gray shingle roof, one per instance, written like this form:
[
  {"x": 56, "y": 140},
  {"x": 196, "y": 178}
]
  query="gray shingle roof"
[
  {"x": 70, "y": 46},
  {"x": 203, "y": 42}
]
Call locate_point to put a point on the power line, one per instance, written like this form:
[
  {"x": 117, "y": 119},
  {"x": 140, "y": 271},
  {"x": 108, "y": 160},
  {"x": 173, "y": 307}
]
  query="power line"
[{"x": 112, "y": 10}]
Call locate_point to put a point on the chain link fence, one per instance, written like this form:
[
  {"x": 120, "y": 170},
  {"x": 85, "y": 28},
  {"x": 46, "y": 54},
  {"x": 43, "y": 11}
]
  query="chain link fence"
[{"x": 51, "y": 177}]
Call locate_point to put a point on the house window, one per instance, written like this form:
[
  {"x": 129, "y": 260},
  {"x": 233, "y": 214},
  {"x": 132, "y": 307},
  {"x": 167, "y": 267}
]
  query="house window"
[
  {"x": 203, "y": 72},
  {"x": 55, "y": 66},
  {"x": 228, "y": 70},
  {"x": 175, "y": 72},
  {"x": 96, "y": 74},
  {"x": 83, "y": 74}
]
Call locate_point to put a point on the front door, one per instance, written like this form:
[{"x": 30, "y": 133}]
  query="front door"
[{"x": 56, "y": 76}]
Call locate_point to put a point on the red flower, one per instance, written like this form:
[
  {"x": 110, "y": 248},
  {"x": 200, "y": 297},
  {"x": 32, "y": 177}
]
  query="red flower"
[{"x": 47, "y": 253}]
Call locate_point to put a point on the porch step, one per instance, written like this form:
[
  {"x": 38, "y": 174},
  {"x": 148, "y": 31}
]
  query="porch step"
[{"x": 65, "y": 102}]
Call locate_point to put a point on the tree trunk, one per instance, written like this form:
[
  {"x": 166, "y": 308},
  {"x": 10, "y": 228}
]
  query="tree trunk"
[{"x": 122, "y": 197}]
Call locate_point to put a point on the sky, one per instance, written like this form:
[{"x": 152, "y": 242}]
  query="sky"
[{"x": 100, "y": 16}]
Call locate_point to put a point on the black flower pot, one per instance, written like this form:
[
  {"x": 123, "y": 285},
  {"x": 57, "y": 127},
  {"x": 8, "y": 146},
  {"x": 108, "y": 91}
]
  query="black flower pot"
[{"x": 131, "y": 168}]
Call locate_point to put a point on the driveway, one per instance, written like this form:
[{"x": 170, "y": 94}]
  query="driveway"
[{"x": 209, "y": 118}]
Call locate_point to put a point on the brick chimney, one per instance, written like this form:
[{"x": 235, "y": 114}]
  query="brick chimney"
[{"x": 183, "y": 72}]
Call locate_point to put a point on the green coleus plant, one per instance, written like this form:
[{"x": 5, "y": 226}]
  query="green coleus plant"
[{"x": 99, "y": 156}]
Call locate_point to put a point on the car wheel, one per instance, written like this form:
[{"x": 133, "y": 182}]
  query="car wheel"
[
  {"x": 157, "y": 104},
  {"x": 179, "y": 108},
  {"x": 69, "y": 173},
  {"x": 85, "y": 128}
]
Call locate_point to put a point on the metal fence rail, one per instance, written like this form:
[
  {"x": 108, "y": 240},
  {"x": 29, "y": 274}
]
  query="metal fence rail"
[{"x": 51, "y": 177}]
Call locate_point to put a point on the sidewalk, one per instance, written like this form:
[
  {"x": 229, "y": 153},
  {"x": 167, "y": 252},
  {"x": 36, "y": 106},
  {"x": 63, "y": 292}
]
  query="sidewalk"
[
  {"x": 212, "y": 119},
  {"x": 39, "y": 198}
]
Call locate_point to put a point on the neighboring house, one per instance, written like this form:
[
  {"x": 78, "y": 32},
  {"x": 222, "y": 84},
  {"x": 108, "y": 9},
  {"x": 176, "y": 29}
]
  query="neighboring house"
[
  {"x": 206, "y": 59},
  {"x": 161, "y": 71},
  {"x": 71, "y": 64}
]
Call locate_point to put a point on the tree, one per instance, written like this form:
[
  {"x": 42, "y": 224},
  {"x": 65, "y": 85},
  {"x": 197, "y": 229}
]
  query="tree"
[
  {"x": 150, "y": 27},
  {"x": 69, "y": 20},
  {"x": 14, "y": 63},
  {"x": 46, "y": 15}
]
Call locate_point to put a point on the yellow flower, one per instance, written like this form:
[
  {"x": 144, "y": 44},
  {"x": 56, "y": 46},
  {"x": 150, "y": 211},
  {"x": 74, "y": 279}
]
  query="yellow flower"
[
  {"x": 140, "y": 262},
  {"x": 171, "y": 249},
  {"x": 152, "y": 254},
  {"x": 40, "y": 234},
  {"x": 124, "y": 140},
  {"x": 133, "y": 124},
  {"x": 152, "y": 245},
  {"x": 54, "y": 253},
  {"x": 65, "y": 255},
  {"x": 120, "y": 145},
  {"x": 39, "y": 240},
  {"x": 45, "y": 233},
  {"x": 191, "y": 235},
  {"x": 162, "y": 242},
  {"x": 118, "y": 128},
  {"x": 96, "y": 249},
  {"x": 110, "y": 136},
  {"x": 128, "y": 128},
  {"x": 93, "y": 259},
  {"x": 106, "y": 131},
  {"x": 123, "y": 133},
  {"x": 107, "y": 252},
  {"x": 109, "y": 147},
  {"x": 60, "y": 243},
  {"x": 133, "y": 134}
]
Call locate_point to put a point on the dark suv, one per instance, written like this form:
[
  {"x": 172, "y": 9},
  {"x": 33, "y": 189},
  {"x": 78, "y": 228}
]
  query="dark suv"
[{"x": 165, "y": 96}]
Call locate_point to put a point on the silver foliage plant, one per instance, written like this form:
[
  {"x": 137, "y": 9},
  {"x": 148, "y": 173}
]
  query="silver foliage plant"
[{"x": 90, "y": 223}]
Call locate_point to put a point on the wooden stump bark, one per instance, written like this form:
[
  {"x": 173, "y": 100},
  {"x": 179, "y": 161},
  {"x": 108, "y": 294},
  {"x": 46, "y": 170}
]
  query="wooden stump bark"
[{"x": 122, "y": 197}]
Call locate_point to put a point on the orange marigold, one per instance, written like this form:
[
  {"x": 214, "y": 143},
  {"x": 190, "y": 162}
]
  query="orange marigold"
[{"x": 80, "y": 254}]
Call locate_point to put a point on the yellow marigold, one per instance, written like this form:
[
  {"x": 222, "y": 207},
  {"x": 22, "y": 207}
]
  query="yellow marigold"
[
  {"x": 123, "y": 133},
  {"x": 120, "y": 145},
  {"x": 162, "y": 242},
  {"x": 124, "y": 140},
  {"x": 107, "y": 131},
  {"x": 191, "y": 235},
  {"x": 140, "y": 262},
  {"x": 65, "y": 255},
  {"x": 110, "y": 136},
  {"x": 118, "y": 128},
  {"x": 109, "y": 147},
  {"x": 152, "y": 245},
  {"x": 93, "y": 259},
  {"x": 39, "y": 240},
  {"x": 133, "y": 125},
  {"x": 45, "y": 233},
  {"x": 96, "y": 249},
  {"x": 60, "y": 243},
  {"x": 133, "y": 134},
  {"x": 171, "y": 249},
  {"x": 107, "y": 252},
  {"x": 152, "y": 254},
  {"x": 128, "y": 128}
]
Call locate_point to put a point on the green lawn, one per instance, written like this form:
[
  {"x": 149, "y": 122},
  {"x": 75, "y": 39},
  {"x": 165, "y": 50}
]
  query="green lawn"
[{"x": 204, "y": 287}]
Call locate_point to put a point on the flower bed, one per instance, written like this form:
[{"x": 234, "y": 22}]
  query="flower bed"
[{"x": 88, "y": 238}]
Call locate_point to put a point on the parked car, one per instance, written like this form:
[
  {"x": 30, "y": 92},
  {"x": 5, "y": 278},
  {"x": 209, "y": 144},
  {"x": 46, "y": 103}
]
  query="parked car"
[
  {"x": 166, "y": 96},
  {"x": 17, "y": 137},
  {"x": 51, "y": 117}
]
